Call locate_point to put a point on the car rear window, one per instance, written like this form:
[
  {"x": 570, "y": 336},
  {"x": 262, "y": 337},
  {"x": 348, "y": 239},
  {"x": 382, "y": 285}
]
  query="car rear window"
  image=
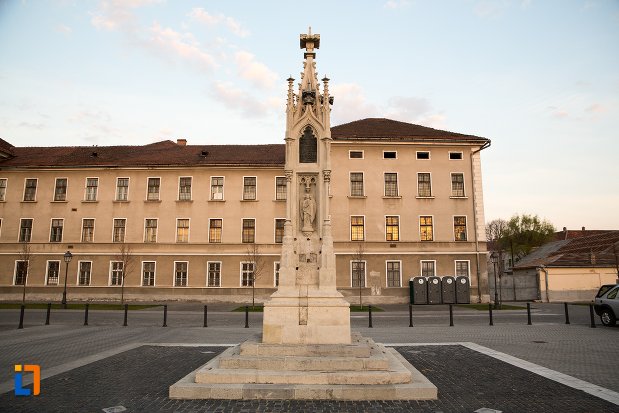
[
  {"x": 603, "y": 289},
  {"x": 613, "y": 294}
]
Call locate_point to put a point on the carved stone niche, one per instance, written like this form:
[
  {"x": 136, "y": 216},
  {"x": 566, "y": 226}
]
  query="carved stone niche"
[
  {"x": 308, "y": 146},
  {"x": 309, "y": 97},
  {"x": 308, "y": 205}
]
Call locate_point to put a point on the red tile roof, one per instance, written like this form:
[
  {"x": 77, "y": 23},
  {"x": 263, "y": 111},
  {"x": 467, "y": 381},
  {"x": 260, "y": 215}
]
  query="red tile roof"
[{"x": 387, "y": 129}]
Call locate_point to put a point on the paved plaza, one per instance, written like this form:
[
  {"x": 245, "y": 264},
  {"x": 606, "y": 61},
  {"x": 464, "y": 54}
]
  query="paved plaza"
[{"x": 548, "y": 366}]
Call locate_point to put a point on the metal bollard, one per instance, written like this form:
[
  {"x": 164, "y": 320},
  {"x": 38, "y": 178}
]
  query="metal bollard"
[
  {"x": 86, "y": 314},
  {"x": 370, "y": 316},
  {"x": 49, "y": 310},
  {"x": 205, "y": 316},
  {"x": 567, "y": 314},
  {"x": 246, "y": 317},
  {"x": 165, "y": 316},
  {"x": 410, "y": 315},
  {"x": 21, "y": 317},
  {"x": 529, "y": 314},
  {"x": 490, "y": 313},
  {"x": 126, "y": 311},
  {"x": 451, "y": 315},
  {"x": 592, "y": 316}
]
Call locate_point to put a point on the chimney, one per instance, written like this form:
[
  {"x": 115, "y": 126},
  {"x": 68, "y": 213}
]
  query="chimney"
[
  {"x": 583, "y": 228},
  {"x": 181, "y": 142}
]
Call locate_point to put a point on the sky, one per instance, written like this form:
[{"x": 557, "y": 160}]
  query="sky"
[{"x": 538, "y": 78}]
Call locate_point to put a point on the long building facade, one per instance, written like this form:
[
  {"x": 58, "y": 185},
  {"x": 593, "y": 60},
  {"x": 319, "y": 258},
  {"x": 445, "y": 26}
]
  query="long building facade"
[{"x": 173, "y": 221}]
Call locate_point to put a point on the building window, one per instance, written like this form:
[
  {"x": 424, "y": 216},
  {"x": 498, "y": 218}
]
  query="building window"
[
  {"x": 150, "y": 230},
  {"x": 247, "y": 274},
  {"x": 427, "y": 269},
  {"x": 122, "y": 189},
  {"x": 53, "y": 272},
  {"x": 214, "y": 274},
  {"x": 148, "y": 273},
  {"x": 214, "y": 233},
  {"x": 279, "y": 230},
  {"x": 3, "y": 183},
  {"x": 180, "y": 273},
  {"x": 357, "y": 273},
  {"x": 390, "y": 154},
  {"x": 21, "y": 272},
  {"x": 249, "y": 188},
  {"x": 424, "y": 185},
  {"x": 55, "y": 234},
  {"x": 92, "y": 187},
  {"x": 391, "y": 184},
  {"x": 88, "y": 230},
  {"x": 182, "y": 230},
  {"x": 116, "y": 272},
  {"x": 119, "y": 229},
  {"x": 392, "y": 228},
  {"x": 355, "y": 154},
  {"x": 425, "y": 228},
  {"x": 217, "y": 188},
  {"x": 153, "y": 189},
  {"x": 455, "y": 156},
  {"x": 280, "y": 188},
  {"x": 60, "y": 190},
  {"x": 25, "y": 230},
  {"x": 85, "y": 268},
  {"x": 276, "y": 267},
  {"x": 460, "y": 228},
  {"x": 462, "y": 268},
  {"x": 357, "y": 229},
  {"x": 457, "y": 185},
  {"x": 249, "y": 230},
  {"x": 356, "y": 184},
  {"x": 423, "y": 155},
  {"x": 184, "y": 188},
  {"x": 394, "y": 274},
  {"x": 30, "y": 190}
]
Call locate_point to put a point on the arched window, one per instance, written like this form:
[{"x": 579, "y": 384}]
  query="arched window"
[{"x": 307, "y": 147}]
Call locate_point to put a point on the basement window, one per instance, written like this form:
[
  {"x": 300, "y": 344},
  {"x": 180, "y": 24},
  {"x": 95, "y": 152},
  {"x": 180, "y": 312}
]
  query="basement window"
[{"x": 390, "y": 154}]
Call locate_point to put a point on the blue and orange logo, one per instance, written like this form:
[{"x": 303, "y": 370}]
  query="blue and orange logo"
[{"x": 19, "y": 380}]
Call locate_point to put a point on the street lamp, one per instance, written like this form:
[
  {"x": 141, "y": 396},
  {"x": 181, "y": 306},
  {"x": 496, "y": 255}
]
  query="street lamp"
[
  {"x": 494, "y": 257},
  {"x": 67, "y": 259}
]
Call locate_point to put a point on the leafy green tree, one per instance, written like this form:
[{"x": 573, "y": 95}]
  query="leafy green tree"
[{"x": 526, "y": 232}]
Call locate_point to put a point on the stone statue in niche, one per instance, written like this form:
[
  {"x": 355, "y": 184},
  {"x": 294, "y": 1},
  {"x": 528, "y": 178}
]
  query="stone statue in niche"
[{"x": 308, "y": 211}]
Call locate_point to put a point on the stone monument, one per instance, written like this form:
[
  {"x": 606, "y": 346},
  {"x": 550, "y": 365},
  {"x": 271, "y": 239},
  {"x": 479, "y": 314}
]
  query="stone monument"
[{"x": 306, "y": 350}]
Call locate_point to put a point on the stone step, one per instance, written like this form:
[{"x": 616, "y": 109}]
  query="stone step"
[{"x": 360, "y": 347}]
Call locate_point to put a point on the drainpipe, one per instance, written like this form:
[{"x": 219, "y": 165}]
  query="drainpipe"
[
  {"x": 484, "y": 146},
  {"x": 543, "y": 268}
]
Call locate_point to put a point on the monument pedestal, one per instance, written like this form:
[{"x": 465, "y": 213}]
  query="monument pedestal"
[{"x": 361, "y": 370}]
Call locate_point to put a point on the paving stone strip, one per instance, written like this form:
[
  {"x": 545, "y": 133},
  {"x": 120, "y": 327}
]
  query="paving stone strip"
[{"x": 138, "y": 379}]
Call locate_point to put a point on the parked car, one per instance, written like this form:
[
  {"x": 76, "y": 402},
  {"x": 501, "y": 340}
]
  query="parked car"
[{"x": 607, "y": 304}]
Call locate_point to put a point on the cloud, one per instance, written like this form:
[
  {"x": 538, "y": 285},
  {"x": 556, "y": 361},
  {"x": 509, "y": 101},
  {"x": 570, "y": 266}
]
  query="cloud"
[
  {"x": 596, "y": 108},
  {"x": 117, "y": 14},
  {"x": 31, "y": 125},
  {"x": 61, "y": 28},
  {"x": 211, "y": 20},
  {"x": 490, "y": 8},
  {"x": 396, "y": 4},
  {"x": 253, "y": 71},
  {"x": 238, "y": 99},
  {"x": 350, "y": 103},
  {"x": 183, "y": 45}
]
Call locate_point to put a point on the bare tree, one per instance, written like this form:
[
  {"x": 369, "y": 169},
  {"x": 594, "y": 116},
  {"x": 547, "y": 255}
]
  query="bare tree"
[
  {"x": 25, "y": 255},
  {"x": 125, "y": 256},
  {"x": 255, "y": 257},
  {"x": 358, "y": 262}
]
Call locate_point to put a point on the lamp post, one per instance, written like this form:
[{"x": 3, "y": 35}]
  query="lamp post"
[
  {"x": 67, "y": 259},
  {"x": 494, "y": 257}
]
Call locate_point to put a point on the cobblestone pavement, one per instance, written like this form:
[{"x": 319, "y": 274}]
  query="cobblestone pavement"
[{"x": 138, "y": 380}]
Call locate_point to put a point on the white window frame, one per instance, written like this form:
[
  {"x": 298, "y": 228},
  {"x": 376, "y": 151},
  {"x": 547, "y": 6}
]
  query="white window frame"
[
  {"x": 47, "y": 272},
  {"x": 421, "y": 159},
  {"x": 255, "y": 189},
  {"x": 397, "y": 184},
  {"x": 399, "y": 227},
  {"x": 451, "y": 190},
  {"x": 394, "y": 151},
  {"x": 421, "y": 268},
  {"x": 51, "y": 228},
  {"x": 114, "y": 228},
  {"x": 468, "y": 267},
  {"x": 241, "y": 273},
  {"x": 431, "y": 191},
  {"x": 66, "y": 193},
  {"x": 15, "y": 272},
  {"x": 20, "y": 227},
  {"x": 433, "y": 228},
  {"x": 36, "y": 190},
  {"x": 3, "y": 193},
  {"x": 357, "y": 150},
  {"x": 148, "y": 178},
  {"x": 208, "y": 264},
  {"x": 350, "y": 228},
  {"x": 96, "y": 189},
  {"x": 221, "y": 230},
  {"x": 365, "y": 273},
  {"x": 188, "y": 231},
  {"x": 387, "y": 273},
  {"x": 154, "y": 274},
  {"x": 275, "y": 230},
  {"x": 223, "y": 188},
  {"x": 94, "y": 227},
  {"x": 453, "y": 230},
  {"x": 156, "y": 231},
  {"x": 186, "y": 275},
  {"x": 190, "y": 189},
  {"x": 285, "y": 187},
  {"x": 461, "y": 155},
  {"x": 362, "y": 184},
  {"x": 79, "y": 268},
  {"x": 112, "y": 262},
  {"x": 255, "y": 230},
  {"x": 116, "y": 198}
]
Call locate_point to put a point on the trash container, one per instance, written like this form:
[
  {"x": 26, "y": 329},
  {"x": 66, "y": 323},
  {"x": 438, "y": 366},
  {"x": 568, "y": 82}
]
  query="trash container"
[
  {"x": 448, "y": 285},
  {"x": 463, "y": 286},
  {"x": 419, "y": 290},
  {"x": 434, "y": 290}
]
